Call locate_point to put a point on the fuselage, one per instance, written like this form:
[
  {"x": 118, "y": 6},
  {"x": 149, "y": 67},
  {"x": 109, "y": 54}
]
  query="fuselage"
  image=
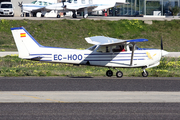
[
  {"x": 142, "y": 58},
  {"x": 35, "y": 5}
]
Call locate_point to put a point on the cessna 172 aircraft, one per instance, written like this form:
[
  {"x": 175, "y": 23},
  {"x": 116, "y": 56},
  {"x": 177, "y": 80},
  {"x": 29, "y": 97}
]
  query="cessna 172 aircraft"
[
  {"x": 106, "y": 52},
  {"x": 72, "y": 5}
]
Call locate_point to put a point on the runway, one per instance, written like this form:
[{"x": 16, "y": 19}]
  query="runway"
[
  {"x": 95, "y": 98},
  {"x": 89, "y": 97},
  {"x": 85, "y": 90}
]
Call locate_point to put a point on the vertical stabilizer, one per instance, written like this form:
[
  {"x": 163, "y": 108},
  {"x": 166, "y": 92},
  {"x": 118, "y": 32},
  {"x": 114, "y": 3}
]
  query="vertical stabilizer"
[{"x": 25, "y": 43}]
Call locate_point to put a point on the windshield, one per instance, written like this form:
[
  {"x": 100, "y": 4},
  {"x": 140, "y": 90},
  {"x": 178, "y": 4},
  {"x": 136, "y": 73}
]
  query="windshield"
[
  {"x": 34, "y": 2},
  {"x": 6, "y": 6},
  {"x": 131, "y": 47},
  {"x": 92, "y": 48}
]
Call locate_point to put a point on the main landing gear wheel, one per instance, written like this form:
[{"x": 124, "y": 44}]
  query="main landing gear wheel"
[
  {"x": 144, "y": 73},
  {"x": 58, "y": 16},
  {"x": 109, "y": 73},
  {"x": 74, "y": 15},
  {"x": 119, "y": 74}
]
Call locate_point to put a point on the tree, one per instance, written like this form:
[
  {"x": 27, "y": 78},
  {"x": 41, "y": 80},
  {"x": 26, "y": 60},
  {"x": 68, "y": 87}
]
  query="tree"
[{"x": 175, "y": 10}]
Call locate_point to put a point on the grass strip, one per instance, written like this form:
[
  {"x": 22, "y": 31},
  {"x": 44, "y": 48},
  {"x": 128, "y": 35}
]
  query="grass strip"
[
  {"x": 71, "y": 33},
  {"x": 14, "y": 66}
]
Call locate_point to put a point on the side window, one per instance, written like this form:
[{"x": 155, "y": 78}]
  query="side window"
[
  {"x": 119, "y": 48},
  {"x": 90, "y": 1},
  {"x": 83, "y": 1},
  {"x": 40, "y": 2},
  {"x": 103, "y": 49},
  {"x": 37, "y": 3},
  {"x": 45, "y": 3},
  {"x": 75, "y": 1}
]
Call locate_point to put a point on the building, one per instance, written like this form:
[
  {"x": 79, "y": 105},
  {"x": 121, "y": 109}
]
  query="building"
[
  {"x": 146, "y": 7},
  {"x": 132, "y": 8}
]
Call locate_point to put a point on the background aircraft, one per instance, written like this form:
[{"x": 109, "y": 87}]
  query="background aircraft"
[
  {"x": 36, "y": 6},
  {"x": 106, "y": 52},
  {"x": 75, "y": 6}
]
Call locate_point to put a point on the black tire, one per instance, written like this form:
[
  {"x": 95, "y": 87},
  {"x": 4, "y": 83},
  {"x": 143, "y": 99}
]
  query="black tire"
[
  {"x": 109, "y": 73},
  {"x": 58, "y": 16},
  {"x": 74, "y": 16},
  {"x": 144, "y": 74},
  {"x": 119, "y": 74}
]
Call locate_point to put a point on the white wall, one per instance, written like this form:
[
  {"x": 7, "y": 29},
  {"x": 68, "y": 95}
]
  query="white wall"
[{"x": 17, "y": 9}]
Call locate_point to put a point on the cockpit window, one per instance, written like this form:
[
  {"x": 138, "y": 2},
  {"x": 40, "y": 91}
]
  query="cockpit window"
[
  {"x": 92, "y": 48},
  {"x": 119, "y": 48},
  {"x": 34, "y": 2},
  {"x": 103, "y": 49}
]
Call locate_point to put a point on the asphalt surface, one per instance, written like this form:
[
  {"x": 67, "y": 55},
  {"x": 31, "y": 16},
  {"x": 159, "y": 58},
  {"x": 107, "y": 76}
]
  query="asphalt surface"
[
  {"x": 89, "y": 111},
  {"x": 89, "y": 84}
]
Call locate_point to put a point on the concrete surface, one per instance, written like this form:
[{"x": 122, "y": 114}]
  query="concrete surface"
[
  {"x": 93, "y": 18},
  {"x": 89, "y": 96}
]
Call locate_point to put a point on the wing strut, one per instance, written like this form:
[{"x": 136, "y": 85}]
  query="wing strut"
[{"x": 132, "y": 55}]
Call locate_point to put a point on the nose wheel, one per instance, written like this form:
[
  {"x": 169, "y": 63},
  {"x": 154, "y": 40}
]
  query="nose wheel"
[{"x": 144, "y": 73}]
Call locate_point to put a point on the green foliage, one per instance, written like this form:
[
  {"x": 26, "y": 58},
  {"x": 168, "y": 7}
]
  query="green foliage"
[
  {"x": 175, "y": 10},
  {"x": 71, "y": 33}
]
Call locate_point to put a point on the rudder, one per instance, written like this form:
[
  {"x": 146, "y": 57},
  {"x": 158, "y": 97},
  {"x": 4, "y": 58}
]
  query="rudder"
[{"x": 25, "y": 43}]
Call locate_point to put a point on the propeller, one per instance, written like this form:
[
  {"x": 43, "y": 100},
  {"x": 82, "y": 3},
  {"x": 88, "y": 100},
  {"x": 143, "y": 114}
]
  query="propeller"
[
  {"x": 20, "y": 4},
  {"x": 163, "y": 52},
  {"x": 161, "y": 43}
]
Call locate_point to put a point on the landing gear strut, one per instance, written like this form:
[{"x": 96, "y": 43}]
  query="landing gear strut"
[
  {"x": 144, "y": 73},
  {"x": 74, "y": 14}
]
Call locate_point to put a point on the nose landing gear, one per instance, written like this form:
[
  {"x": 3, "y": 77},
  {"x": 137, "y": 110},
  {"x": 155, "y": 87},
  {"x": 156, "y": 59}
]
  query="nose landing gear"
[{"x": 144, "y": 73}]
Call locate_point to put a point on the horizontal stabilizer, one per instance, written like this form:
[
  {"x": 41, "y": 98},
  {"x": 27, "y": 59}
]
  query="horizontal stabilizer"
[{"x": 33, "y": 57}]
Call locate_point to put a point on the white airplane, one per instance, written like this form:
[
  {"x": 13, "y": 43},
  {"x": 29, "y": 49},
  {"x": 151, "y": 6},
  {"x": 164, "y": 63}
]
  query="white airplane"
[
  {"x": 106, "y": 52},
  {"x": 36, "y": 6},
  {"x": 84, "y": 6},
  {"x": 75, "y": 6}
]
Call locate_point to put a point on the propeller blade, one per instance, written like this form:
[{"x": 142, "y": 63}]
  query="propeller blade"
[
  {"x": 161, "y": 44},
  {"x": 20, "y": 4}
]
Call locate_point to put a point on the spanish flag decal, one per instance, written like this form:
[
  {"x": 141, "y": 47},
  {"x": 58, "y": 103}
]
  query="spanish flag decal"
[{"x": 23, "y": 34}]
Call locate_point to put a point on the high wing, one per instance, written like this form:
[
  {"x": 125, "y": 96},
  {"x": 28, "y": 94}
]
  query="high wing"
[
  {"x": 102, "y": 40},
  {"x": 40, "y": 10},
  {"x": 70, "y": 7}
]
